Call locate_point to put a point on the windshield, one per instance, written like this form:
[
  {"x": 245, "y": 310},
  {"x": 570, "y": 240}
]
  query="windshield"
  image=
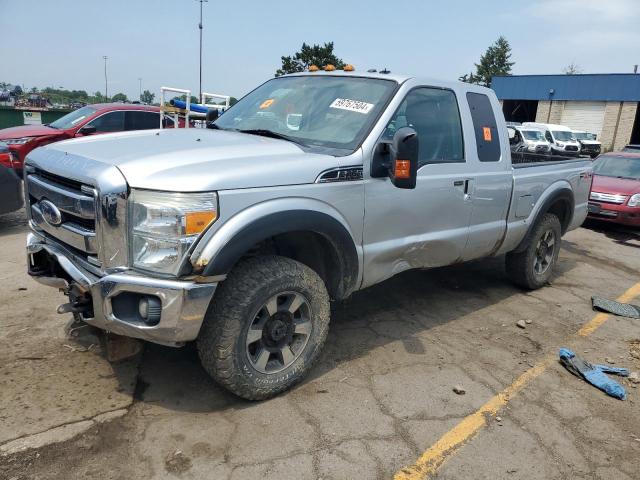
[
  {"x": 533, "y": 135},
  {"x": 314, "y": 111},
  {"x": 73, "y": 118},
  {"x": 563, "y": 136},
  {"x": 582, "y": 135},
  {"x": 615, "y": 166}
]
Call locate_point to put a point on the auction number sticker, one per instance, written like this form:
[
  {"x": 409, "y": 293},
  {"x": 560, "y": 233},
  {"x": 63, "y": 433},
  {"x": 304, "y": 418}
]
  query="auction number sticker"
[{"x": 352, "y": 105}]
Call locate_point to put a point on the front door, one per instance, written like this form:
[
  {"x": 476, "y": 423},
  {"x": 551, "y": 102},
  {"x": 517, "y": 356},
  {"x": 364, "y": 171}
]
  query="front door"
[{"x": 426, "y": 226}]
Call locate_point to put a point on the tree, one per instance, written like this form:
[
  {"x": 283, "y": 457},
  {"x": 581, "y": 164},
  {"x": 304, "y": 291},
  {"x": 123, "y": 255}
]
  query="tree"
[
  {"x": 147, "y": 97},
  {"x": 495, "y": 61},
  {"x": 572, "y": 69},
  {"x": 119, "y": 97},
  {"x": 233, "y": 101},
  {"x": 307, "y": 56}
]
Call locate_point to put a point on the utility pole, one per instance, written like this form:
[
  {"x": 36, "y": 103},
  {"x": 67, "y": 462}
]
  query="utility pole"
[
  {"x": 106, "y": 91},
  {"x": 140, "y": 82},
  {"x": 200, "y": 28}
]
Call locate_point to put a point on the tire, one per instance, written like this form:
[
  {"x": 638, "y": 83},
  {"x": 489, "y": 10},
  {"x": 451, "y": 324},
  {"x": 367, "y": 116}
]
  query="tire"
[
  {"x": 243, "y": 309},
  {"x": 532, "y": 268}
]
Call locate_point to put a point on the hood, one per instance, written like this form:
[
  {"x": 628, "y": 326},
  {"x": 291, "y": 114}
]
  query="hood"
[
  {"x": 28, "y": 131},
  {"x": 622, "y": 186},
  {"x": 188, "y": 159}
]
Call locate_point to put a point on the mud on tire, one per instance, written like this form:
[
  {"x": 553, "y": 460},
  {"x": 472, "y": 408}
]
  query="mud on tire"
[{"x": 242, "y": 310}]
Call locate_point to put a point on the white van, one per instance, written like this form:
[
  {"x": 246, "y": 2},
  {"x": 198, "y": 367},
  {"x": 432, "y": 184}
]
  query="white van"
[{"x": 562, "y": 140}]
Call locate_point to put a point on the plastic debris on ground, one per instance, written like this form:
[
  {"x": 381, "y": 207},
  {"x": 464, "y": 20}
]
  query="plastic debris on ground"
[
  {"x": 617, "y": 308},
  {"x": 594, "y": 374}
]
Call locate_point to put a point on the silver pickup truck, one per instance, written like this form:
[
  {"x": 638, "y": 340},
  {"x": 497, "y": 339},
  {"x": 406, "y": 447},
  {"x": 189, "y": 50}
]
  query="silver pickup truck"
[{"x": 311, "y": 187}]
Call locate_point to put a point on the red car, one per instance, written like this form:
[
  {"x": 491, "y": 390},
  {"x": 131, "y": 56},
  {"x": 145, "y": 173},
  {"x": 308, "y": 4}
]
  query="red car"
[
  {"x": 615, "y": 192},
  {"x": 89, "y": 120},
  {"x": 8, "y": 158}
]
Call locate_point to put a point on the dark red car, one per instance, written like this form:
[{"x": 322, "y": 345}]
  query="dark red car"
[
  {"x": 615, "y": 192},
  {"x": 89, "y": 120}
]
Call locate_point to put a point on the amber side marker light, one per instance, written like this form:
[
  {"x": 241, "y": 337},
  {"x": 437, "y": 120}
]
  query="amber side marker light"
[
  {"x": 329, "y": 68},
  {"x": 197, "y": 222},
  {"x": 402, "y": 169}
]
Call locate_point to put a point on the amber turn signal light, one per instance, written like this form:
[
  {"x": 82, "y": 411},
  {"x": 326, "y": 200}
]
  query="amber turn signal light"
[
  {"x": 402, "y": 169},
  {"x": 196, "y": 222}
]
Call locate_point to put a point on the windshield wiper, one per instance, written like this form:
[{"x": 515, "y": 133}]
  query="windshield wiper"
[{"x": 270, "y": 133}]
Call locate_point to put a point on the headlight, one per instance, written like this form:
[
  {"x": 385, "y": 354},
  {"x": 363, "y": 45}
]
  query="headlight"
[
  {"x": 531, "y": 148},
  {"x": 634, "y": 201},
  {"x": 18, "y": 141},
  {"x": 164, "y": 225}
]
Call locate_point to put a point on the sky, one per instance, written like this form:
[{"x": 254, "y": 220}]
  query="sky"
[{"x": 61, "y": 43}]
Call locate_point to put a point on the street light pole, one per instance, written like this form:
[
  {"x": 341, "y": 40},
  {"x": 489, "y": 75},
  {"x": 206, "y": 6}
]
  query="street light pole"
[
  {"x": 200, "y": 28},
  {"x": 106, "y": 91},
  {"x": 140, "y": 81}
]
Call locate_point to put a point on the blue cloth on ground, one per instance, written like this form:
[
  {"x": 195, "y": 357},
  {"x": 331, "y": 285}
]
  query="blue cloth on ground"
[{"x": 594, "y": 374}]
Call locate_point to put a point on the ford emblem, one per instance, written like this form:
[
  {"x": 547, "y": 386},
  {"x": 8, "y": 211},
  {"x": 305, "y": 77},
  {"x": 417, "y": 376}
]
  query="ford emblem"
[{"x": 50, "y": 213}]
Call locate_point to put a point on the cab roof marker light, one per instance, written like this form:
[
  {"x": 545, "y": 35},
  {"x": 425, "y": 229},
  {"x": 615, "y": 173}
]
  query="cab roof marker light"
[
  {"x": 349, "y": 68},
  {"x": 313, "y": 68},
  {"x": 329, "y": 68}
]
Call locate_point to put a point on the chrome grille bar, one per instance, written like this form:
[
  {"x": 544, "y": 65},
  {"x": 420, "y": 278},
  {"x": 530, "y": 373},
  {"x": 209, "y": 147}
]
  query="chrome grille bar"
[{"x": 608, "y": 197}]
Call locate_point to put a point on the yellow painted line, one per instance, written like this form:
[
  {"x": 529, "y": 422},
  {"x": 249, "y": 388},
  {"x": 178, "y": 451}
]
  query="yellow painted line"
[{"x": 431, "y": 460}]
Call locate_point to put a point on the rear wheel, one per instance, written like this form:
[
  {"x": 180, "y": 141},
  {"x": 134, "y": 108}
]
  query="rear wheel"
[
  {"x": 532, "y": 268},
  {"x": 265, "y": 328}
]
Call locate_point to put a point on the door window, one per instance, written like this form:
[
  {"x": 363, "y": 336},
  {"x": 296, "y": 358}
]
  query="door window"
[
  {"x": 433, "y": 113},
  {"x": 109, "y": 122},
  {"x": 142, "y": 120}
]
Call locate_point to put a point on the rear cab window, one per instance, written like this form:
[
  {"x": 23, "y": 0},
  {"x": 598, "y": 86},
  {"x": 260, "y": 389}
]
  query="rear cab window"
[
  {"x": 142, "y": 120},
  {"x": 485, "y": 127}
]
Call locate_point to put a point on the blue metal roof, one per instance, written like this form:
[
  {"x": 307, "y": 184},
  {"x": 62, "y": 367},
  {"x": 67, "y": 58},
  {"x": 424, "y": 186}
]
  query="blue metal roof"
[{"x": 620, "y": 87}]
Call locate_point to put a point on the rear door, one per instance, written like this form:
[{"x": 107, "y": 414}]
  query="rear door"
[{"x": 492, "y": 181}]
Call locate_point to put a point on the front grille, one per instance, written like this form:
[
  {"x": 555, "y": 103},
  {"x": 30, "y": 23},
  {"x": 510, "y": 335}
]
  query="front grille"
[
  {"x": 63, "y": 208},
  {"x": 608, "y": 197},
  {"x": 571, "y": 148}
]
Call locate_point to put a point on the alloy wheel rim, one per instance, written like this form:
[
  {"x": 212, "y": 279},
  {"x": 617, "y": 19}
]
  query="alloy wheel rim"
[
  {"x": 545, "y": 249},
  {"x": 279, "y": 332}
]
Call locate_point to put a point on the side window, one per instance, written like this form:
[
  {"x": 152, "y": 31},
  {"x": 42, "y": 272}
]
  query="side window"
[
  {"x": 484, "y": 125},
  {"x": 548, "y": 136},
  {"x": 142, "y": 120},
  {"x": 109, "y": 122},
  {"x": 434, "y": 114}
]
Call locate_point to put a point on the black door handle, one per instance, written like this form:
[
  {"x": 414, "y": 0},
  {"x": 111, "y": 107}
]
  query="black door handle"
[{"x": 458, "y": 183}]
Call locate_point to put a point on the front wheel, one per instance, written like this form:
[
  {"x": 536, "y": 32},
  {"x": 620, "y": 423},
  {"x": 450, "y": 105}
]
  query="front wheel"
[
  {"x": 265, "y": 328},
  {"x": 532, "y": 268}
]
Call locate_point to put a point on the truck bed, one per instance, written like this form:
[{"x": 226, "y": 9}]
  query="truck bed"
[{"x": 534, "y": 182}]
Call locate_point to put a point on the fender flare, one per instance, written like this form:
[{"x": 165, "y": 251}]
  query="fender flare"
[
  {"x": 564, "y": 194},
  {"x": 289, "y": 221}
]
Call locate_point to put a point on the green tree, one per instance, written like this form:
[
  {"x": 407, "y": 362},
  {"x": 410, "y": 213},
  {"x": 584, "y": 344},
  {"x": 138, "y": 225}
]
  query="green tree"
[
  {"x": 572, "y": 69},
  {"x": 233, "y": 101},
  {"x": 309, "y": 55},
  {"x": 147, "y": 97},
  {"x": 119, "y": 97},
  {"x": 495, "y": 61}
]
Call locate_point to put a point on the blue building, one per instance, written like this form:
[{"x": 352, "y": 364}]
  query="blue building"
[{"x": 604, "y": 104}]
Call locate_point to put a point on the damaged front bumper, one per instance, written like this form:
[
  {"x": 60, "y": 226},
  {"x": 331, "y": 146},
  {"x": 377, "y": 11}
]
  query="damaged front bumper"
[{"x": 112, "y": 302}]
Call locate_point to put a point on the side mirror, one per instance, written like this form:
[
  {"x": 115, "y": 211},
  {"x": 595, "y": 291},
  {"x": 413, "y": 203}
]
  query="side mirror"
[
  {"x": 403, "y": 156},
  {"x": 212, "y": 116},
  {"x": 87, "y": 130}
]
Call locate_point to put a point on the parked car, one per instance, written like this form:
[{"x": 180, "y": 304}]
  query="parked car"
[
  {"x": 588, "y": 143},
  {"x": 615, "y": 193},
  {"x": 89, "y": 120},
  {"x": 561, "y": 138},
  {"x": 528, "y": 139},
  {"x": 11, "y": 197},
  {"x": 239, "y": 236}
]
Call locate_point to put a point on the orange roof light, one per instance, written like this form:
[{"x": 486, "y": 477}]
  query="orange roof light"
[
  {"x": 329, "y": 68},
  {"x": 349, "y": 68},
  {"x": 313, "y": 68}
]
